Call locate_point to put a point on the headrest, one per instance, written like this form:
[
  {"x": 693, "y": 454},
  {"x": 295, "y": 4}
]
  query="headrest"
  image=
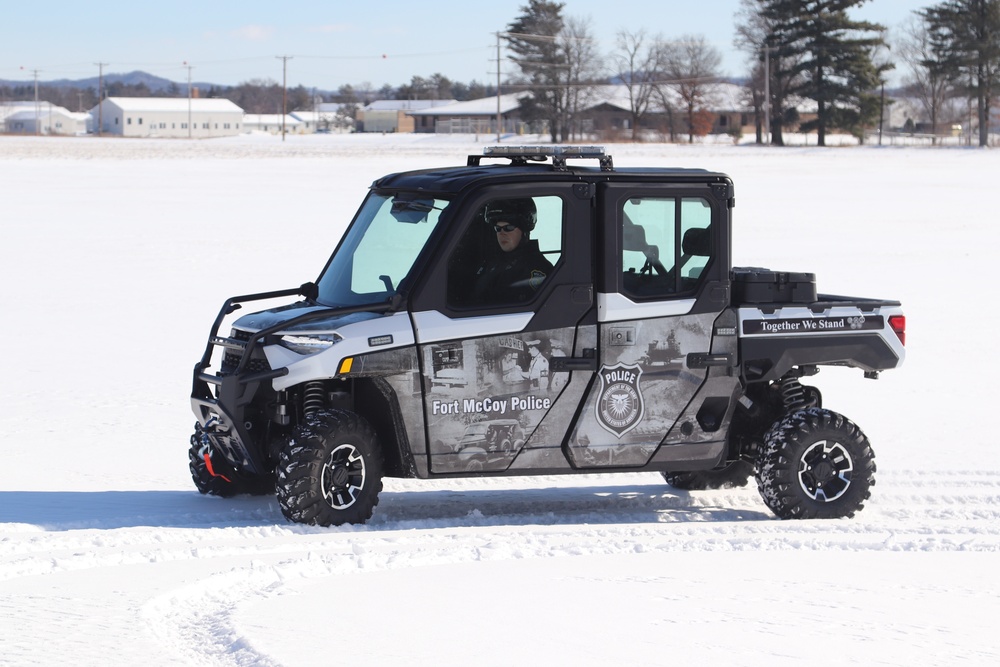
[{"x": 698, "y": 242}]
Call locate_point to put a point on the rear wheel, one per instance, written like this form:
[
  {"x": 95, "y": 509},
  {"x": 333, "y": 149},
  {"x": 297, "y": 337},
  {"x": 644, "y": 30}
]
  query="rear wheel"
[
  {"x": 330, "y": 471},
  {"x": 734, "y": 475},
  {"x": 815, "y": 464}
]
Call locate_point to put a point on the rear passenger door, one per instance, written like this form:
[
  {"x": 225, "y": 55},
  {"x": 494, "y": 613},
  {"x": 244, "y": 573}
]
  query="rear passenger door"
[{"x": 662, "y": 391}]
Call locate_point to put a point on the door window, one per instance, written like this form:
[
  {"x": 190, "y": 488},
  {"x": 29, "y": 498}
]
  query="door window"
[
  {"x": 666, "y": 243},
  {"x": 508, "y": 251}
]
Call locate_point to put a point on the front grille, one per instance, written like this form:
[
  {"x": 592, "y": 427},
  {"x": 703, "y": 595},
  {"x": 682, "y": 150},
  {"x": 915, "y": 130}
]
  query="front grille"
[{"x": 231, "y": 358}]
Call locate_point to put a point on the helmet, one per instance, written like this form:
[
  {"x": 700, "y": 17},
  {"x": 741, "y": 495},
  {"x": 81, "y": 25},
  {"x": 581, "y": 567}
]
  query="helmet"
[{"x": 518, "y": 212}]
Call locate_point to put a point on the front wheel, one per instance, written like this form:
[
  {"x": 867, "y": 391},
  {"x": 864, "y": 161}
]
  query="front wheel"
[
  {"x": 330, "y": 471},
  {"x": 815, "y": 464}
]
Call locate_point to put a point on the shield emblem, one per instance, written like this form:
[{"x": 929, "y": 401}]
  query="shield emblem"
[{"x": 619, "y": 405}]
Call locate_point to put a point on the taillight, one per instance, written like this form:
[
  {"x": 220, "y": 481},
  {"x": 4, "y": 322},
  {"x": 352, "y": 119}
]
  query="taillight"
[{"x": 898, "y": 324}]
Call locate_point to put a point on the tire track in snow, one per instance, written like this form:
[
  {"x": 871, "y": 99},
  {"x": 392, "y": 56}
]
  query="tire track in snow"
[{"x": 251, "y": 554}]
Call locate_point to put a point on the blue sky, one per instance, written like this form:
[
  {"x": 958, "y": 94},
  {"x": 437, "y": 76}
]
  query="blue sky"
[{"x": 331, "y": 43}]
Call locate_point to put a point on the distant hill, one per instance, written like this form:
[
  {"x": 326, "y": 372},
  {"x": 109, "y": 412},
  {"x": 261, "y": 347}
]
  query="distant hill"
[{"x": 155, "y": 84}]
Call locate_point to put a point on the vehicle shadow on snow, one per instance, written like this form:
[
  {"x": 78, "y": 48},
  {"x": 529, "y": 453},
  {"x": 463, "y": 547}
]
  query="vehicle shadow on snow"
[
  {"x": 75, "y": 510},
  {"x": 564, "y": 505}
]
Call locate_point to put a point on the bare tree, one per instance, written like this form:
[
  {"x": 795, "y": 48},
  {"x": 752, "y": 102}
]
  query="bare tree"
[
  {"x": 582, "y": 69},
  {"x": 928, "y": 81},
  {"x": 691, "y": 66},
  {"x": 637, "y": 62},
  {"x": 753, "y": 37}
]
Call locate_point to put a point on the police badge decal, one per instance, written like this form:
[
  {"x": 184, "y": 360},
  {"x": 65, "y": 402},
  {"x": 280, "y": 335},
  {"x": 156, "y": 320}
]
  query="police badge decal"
[{"x": 619, "y": 405}]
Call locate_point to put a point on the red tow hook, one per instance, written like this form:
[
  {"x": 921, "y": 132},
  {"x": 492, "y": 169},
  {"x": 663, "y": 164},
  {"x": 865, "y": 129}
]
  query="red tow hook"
[{"x": 206, "y": 454}]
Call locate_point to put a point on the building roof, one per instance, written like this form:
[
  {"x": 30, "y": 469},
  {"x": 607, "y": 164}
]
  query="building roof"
[
  {"x": 486, "y": 106},
  {"x": 329, "y": 107},
  {"x": 202, "y": 104},
  {"x": 270, "y": 119},
  {"x": 29, "y": 110},
  {"x": 46, "y": 110},
  {"x": 405, "y": 105}
]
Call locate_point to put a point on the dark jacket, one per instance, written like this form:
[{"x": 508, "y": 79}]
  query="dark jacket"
[{"x": 512, "y": 277}]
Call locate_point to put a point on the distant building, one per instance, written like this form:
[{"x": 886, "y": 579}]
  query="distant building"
[
  {"x": 271, "y": 123},
  {"x": 310, "y": 121},
  {"x": 168, "y": 117},
  {"x": 473, "y": 116},
  {"x": 395, "y": 115},
  {"x": 601, "y": 110},
  {"x": 41, "y": 118}
]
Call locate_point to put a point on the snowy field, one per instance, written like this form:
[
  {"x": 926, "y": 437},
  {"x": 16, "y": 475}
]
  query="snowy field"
[{"x": 115, "y": 257}]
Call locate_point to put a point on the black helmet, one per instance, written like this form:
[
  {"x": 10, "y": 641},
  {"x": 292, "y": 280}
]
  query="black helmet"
[{"x": 518, "y": 212}]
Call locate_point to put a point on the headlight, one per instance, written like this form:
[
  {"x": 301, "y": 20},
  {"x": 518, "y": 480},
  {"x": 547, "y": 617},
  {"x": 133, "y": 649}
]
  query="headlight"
[{"x": 309, "y": 344}]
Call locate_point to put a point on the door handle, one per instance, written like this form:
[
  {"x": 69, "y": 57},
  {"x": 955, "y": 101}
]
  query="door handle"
[
  {"x": 588, "y": 362},
  {"x": 707, "y": 360}
]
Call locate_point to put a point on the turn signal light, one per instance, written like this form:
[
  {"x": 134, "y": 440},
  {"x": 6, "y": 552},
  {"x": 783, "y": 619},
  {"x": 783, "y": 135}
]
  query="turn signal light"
[
  {"x": 346, "y": 365},
  {"x": 898, "y": 325}
]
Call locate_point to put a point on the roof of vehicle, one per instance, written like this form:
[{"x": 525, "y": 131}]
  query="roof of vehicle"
[{"x": 525, "y": 165}]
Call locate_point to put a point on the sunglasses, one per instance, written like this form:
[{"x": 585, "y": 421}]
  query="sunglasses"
[{"x": 504, "y": 228}]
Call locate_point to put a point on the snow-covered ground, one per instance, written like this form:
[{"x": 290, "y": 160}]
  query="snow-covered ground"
[{"x": 115, "y": 257}]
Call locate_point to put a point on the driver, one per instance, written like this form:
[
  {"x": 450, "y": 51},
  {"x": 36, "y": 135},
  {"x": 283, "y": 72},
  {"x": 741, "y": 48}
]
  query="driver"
[{"x": 514, "y": 274}]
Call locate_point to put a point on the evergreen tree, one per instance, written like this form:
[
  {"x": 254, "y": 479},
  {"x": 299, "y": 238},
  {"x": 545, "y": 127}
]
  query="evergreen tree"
[
  {"x": 772, "y": 74},
  {"x": 965, "y": 37},
  {"x": 533, "y": 39},
  {"x": 836, "y": 65}
]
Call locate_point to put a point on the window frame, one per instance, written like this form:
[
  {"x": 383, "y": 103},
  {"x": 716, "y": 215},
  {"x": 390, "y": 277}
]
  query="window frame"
[{"x": 614, "y": 195}]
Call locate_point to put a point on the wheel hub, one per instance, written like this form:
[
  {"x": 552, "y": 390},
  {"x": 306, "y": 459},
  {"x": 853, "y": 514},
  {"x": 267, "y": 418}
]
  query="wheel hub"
[
  {"x": 825, "y": 470},
  {"x": 343, "y": 476},
  {"x": 340, "y": 476}
]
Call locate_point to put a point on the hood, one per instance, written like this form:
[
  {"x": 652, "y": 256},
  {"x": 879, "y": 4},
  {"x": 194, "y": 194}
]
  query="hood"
[{"x": 265, "y": 319}]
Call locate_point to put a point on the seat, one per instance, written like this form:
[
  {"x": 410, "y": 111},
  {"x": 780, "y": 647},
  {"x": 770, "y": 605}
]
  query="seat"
[
  {"x": 696, "y": 242},
  {"x": 650, "y": 279}
]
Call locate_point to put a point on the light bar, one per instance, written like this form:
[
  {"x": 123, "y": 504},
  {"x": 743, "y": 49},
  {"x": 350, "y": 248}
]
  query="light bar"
[{"x": 558, "y": 151}]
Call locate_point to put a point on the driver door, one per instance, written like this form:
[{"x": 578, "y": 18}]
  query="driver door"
[{"x": 502, "y": 381}]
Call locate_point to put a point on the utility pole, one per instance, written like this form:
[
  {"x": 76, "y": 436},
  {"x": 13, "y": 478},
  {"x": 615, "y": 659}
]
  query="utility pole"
[
  {"x": 499, "y": 114},
  {"x": 100, "y": 98},
  {"x": 284, "y": 91},
  {"x": 189, "y": 97},
  {"x": 881, "y": 114},
  {"x": 38, "y": 111},
  {"x": 767, "y": 95}
]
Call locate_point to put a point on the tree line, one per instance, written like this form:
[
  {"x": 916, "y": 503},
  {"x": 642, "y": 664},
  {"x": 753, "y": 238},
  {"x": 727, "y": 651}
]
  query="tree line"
[{"x": 795, "y": 50}]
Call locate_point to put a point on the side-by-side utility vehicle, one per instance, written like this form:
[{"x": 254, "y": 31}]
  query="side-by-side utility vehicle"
[{"x": 523, "y": 315}]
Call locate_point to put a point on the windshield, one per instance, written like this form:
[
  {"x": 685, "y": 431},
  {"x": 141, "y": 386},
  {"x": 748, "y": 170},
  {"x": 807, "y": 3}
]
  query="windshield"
[{"x": 379, "y": 249}]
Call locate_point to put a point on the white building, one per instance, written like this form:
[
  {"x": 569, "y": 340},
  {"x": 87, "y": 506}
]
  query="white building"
[
  {"x": 41, "y": 118},
  {"x": 272, "y": 123},
  {"x": 198, "y": 118}
]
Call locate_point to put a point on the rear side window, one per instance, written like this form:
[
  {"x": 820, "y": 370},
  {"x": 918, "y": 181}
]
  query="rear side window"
[{"x": 666, "y": 243}]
